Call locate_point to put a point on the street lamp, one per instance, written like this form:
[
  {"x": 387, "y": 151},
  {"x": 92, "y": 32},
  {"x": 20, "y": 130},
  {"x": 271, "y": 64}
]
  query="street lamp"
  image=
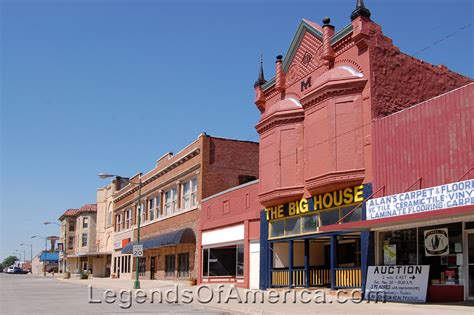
[
  {"x": 136, "y": 284},
  {"x": 19, "y": 253},
  {"x": 64, "y": 242},
  {"x": 31, "y": 250},
  {"x": 45, "y": 247}
]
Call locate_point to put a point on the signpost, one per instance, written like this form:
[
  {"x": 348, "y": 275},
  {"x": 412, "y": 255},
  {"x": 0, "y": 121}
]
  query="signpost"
[
  {"x": 137, "y": 250},
  {"x": 397, "y": 283}
]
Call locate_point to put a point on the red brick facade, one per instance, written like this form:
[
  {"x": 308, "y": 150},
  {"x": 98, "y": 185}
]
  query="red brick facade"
[{"x": 215, "y": 163}]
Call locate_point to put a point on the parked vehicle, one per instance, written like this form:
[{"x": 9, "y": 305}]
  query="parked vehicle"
[{"x": 16, "y": 270}]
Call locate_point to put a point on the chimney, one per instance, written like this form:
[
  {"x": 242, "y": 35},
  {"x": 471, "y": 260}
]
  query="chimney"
[
  {"x": 259, "y": 96},
  {"x": 328, "y": 53},
  {"x": 280, "y": 84}
]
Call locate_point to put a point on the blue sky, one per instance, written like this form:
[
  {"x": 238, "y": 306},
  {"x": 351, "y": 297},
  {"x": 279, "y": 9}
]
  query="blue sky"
[{"x": 91, "y": 86}]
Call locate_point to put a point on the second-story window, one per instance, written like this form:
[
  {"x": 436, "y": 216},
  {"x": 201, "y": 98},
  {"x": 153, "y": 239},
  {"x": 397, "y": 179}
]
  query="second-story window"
[
  {"x": 151, "y": 209},
  {"x": 143, "y": 212},
  {"x": 171, "y": 198},
  {"x": 189, "y": 194},
  {"x": 72, "y": 226},
  {"x": 128, "y": 218},
  {"x": 118, "y": 222},
  {"x": 70, "y": 243},
  {"x": 85, "y": 222},
  {"x": 84, "y": 239},
  {"x": 157, "y": 207}
]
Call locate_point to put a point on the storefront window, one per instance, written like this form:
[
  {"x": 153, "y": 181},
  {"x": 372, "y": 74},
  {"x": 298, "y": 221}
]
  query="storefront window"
[
  {"x": 223, "y": 261},
  {"x": 351, "y": 217},
  {"x": 329, "y": 217},
  {"x": 439, "y": 246},
  {"x": 240, "y": 260},
  {"x": 277, "y": 228},
  {"x": 398, "y": 247},
  {"x": 170, "y": 265},
  {"x": 141, "y": 266},
  {"x": 446, "y": 265},
  {"x": 292, "y": 226},
  {"x": 310, "y": 223},
  {"x": 183, "y": 265}
]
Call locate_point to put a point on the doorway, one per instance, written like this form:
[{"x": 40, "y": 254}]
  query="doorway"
[
  {"x": 152, "y": 267},
  {"x": 470, "y": 265}
]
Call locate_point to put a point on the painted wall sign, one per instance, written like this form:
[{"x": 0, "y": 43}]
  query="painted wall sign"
[
  {"x": 338, "y": 198},
  {"x": 430, "y": 199},
  {"x": 436, "y": 242},
  {"x": 397, "y": 283}
]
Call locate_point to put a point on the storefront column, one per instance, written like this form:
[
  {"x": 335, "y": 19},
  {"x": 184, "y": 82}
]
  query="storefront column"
[
  {"x": 367, "y": 257},
  {"x": 266, "y": 254},
  {"x": 332, "y": 249},
  {"x": 306, "y": 262},
  {"x": 290, "y": 265},
  {"x": 270, "y": 265}
]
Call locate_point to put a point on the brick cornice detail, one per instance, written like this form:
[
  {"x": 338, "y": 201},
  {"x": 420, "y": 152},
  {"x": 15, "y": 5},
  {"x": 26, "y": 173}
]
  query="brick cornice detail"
[
  {"x": 334, "y": 180},
  {"x": 279, "y": 119},
  {"x": 281, "y": 195},
  {"x": 333, "y": 89}
]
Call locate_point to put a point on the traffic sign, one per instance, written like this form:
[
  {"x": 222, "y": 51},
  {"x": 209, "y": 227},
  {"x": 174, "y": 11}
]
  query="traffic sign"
[{"x": 137, "y": 250}]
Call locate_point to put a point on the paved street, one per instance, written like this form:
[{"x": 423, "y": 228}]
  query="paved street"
[{"x": 26, "y": 294}]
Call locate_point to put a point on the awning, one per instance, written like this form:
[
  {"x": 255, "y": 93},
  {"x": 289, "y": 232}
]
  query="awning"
[{"x": 183, "y": 236}]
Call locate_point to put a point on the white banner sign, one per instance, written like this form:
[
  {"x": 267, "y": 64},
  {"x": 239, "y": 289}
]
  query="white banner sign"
[
  {"x": 397, "y": 283},
  {"x": 452, "y": 195}
]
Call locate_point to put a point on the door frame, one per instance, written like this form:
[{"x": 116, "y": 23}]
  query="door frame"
[
  {"x": 466, "y": 264},
  {"x": 152, "y": 267}
]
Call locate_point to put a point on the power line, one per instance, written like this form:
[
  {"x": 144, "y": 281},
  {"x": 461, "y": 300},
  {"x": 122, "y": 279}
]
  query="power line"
[{"x": 442, "y": 39}]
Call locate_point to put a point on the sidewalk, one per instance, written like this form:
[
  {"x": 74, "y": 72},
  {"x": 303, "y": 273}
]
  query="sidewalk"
[{"x": 290, "y": 307}]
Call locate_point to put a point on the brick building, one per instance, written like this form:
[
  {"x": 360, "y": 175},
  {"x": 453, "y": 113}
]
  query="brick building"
[
  {"x": 316, "y": 146},
  {"x": 78, "y": 233},
  {"x": 229, "y": 237},
  {"x": 171, "y": 195}
]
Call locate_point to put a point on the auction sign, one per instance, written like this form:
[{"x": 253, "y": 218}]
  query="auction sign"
[{"x": 397, "y": 283}]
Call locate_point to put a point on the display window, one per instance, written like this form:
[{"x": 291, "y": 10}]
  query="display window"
[
  {"x": 439, "y": 246},
  {"x": 226, "y": 261}
]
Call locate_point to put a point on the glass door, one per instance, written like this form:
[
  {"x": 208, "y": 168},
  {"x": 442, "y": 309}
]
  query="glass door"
[{"x": 470, "y": 265}]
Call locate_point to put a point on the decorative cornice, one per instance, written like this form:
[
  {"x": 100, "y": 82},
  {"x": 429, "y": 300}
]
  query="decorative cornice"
[
  {"x": 295, "y": 43},
  {"x": 332, "y": 89},
  {"x": 281, "y": 195},
  {"x": 279, "y": 119},
  {"x": 333, "y": 180},
  {"x": 160, "y": 173},
  {"x": 160, "y": 187}
]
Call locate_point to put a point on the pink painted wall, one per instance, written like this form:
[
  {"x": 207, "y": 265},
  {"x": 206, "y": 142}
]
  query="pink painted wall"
[
  {"x": 239, "y": 205},
  {"x": 432, "y": 140},
  {"x": 326, "y": 142}
]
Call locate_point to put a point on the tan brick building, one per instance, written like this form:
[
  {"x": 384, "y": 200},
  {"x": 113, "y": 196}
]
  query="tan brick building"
[
  {"x": 171, "y": 196},
  {"x": 102, "y": 264},
  {"x": 79, "y": 228}
]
